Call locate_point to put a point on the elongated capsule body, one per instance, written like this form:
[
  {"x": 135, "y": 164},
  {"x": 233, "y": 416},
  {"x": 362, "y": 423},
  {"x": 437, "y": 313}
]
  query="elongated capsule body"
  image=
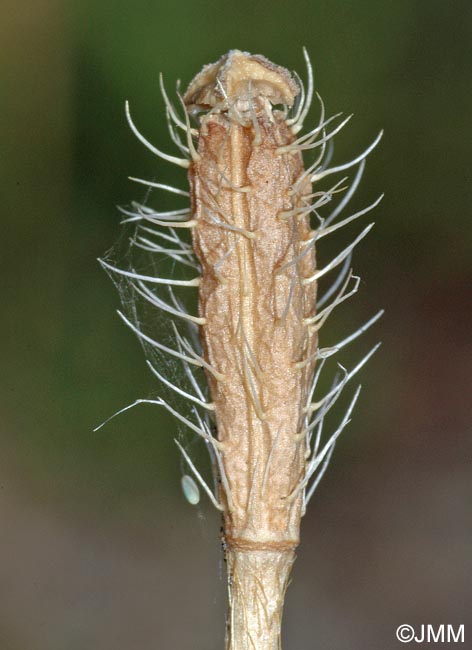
[
  {"x": 252, "y": 245},
  {"x": 256, "y": 333}
]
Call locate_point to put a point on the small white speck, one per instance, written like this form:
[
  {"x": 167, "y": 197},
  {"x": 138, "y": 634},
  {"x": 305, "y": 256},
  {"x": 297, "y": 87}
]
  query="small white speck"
[{"x": 190, "y": 489}]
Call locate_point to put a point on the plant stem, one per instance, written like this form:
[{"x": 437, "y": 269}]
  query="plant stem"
[{"x": 257, "y": 581}]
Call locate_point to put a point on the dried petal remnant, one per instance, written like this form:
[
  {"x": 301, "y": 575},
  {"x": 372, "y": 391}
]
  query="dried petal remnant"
[{"x": 254, "y": 311}]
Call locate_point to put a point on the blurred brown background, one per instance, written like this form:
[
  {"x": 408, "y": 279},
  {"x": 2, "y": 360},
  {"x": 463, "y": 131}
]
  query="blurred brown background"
[{"x": 98, "y": 548}]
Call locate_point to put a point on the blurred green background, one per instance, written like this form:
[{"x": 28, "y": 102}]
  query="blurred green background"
[{"x": 98, "y": 548}]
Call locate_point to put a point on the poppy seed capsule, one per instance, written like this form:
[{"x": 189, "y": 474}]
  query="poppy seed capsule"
[
  {"x": 252, "y": 260},
  {"x": 254, "y": 305}
]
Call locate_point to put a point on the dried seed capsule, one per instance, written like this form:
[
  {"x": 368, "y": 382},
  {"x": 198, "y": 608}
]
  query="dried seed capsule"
[
  {"x": 251, "y": 203},
  {"x": 247, "y": 237}
]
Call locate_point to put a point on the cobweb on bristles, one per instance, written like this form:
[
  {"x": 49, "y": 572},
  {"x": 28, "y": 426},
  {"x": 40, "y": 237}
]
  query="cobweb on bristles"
[{"x": 170, "y": 342}]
